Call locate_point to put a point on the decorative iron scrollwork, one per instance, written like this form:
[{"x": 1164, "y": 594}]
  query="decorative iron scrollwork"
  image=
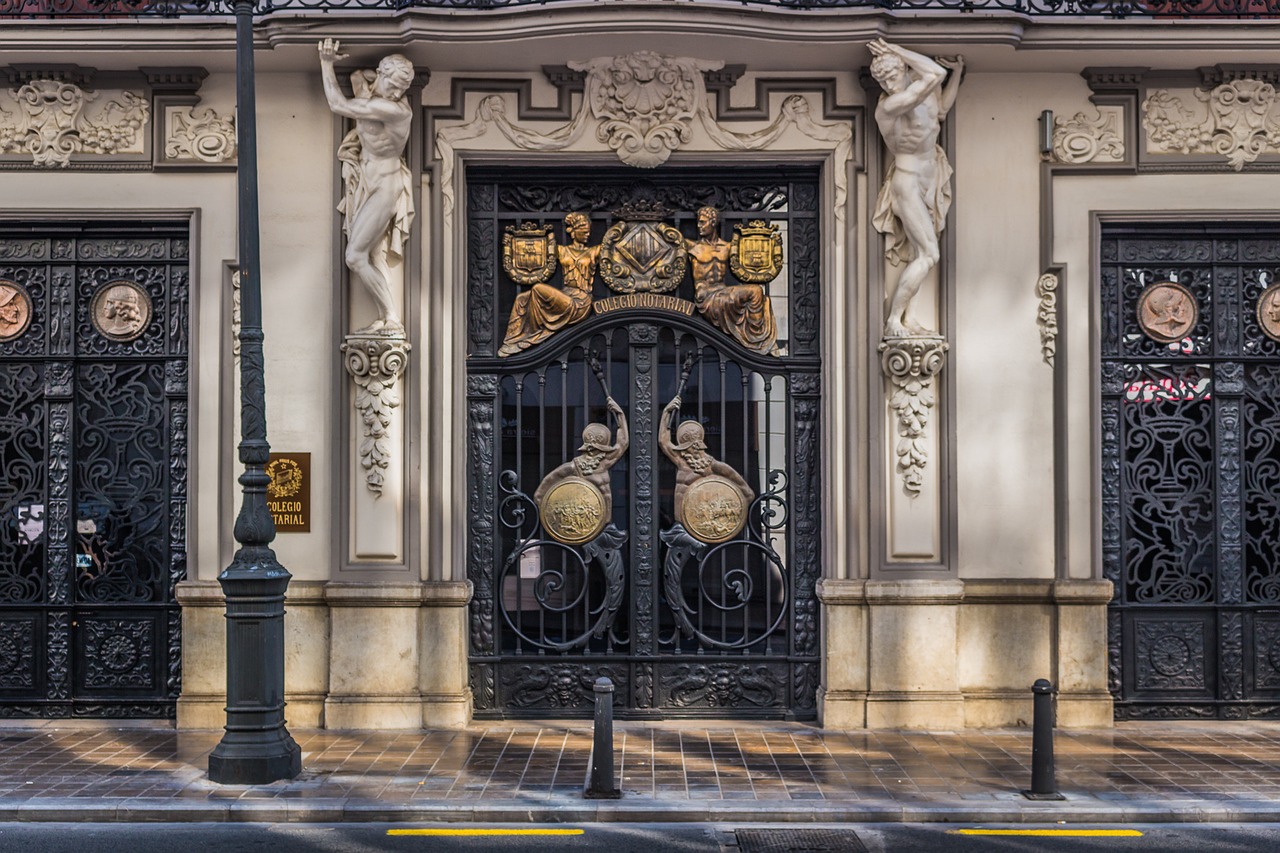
[
  {"x": 554, "y": 576},
  {"x": 731, "y": 575}
]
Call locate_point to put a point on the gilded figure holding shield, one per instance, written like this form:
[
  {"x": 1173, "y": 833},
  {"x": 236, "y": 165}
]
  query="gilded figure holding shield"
[
  {"x": 742, "y": 311},
  {"x": 544, "y": 309}
]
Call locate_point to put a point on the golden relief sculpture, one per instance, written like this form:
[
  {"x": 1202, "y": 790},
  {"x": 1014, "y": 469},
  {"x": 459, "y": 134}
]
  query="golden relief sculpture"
[
  {"x": 15, "y": 310},
  {"x": 641, "y": 253},
  {"x": 711, "y": 499},
  {"x": 575, "y": 500},
  {"x": 755, "y": 252},
  {"x": 544, "y": 309},
  {"x": 742, "y": 311},
  {"x": 529, "y": 252}
]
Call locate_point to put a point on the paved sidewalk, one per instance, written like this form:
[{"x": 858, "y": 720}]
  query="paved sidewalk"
[{"x": 668, "y": 771}]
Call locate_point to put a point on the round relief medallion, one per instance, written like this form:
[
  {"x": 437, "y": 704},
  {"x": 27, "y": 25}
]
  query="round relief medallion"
[
  {"x": 8, "y": 654},
  {"x": 15, "y": 310},
  {"x": 573, "y": 511},
  {"x": 118, "y": 653},
  {"x": 713, "y": 509},
  {"x": 1269, "y": 312},
  {"x": 1273, "y": 655},
  {"x": 1170, "y": 655},
  {"x": 121, "y": 310},
  {"x": 1167, "y": 312}
]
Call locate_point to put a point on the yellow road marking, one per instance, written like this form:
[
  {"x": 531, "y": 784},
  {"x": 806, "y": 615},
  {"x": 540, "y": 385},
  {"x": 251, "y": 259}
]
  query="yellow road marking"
[
  {"x": 1062, "y": 833},
  {"x": 484, "y": 832}
]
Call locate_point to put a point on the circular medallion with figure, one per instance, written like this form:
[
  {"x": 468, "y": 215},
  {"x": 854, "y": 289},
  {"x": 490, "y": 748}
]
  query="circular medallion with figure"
[
  {"x": 1167, "y": 312},
  {"x": 573, "y": 511},
  {"x": 713, "y": 510},
  {"x": 1269, "y": 312},
  {"x": 15, "y": 310},
  {"x": 121, "y": 310}
]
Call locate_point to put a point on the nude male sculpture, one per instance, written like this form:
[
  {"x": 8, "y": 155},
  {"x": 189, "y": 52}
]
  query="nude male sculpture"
[
  {"x": 913, "y": 203},
  {"x": 378, "y": 197},
  {"x": 742, "y": 311}
]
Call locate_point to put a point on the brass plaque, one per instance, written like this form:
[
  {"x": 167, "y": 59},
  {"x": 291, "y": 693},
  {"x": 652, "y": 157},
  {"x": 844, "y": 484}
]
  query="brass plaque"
[
  {"x": 529, "y": 252},
  {"x": 15, "y": 310},
  {"x": 121, "y": 310},
  {"x": 1269, "y": 312},
  {"x": 289, "y": 493},
  {"x": 755, "y": 253},
  {"x": 1167, "y": 312},
  {"x": 573, "y": 512},
  {"x": 714, "y": 509}
]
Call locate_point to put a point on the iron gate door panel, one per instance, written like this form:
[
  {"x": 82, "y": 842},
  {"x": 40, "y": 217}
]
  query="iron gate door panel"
[
  {"x": 721, "y": 623},
  {"x": 1190, "y": 320},
  {"x": 93, "y": 399}
]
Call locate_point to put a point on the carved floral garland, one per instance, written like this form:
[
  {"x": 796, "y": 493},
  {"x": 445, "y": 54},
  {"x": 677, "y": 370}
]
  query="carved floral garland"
[
  {"x": 51, "y": 124},
  {"x": 1240, "y": 123}
]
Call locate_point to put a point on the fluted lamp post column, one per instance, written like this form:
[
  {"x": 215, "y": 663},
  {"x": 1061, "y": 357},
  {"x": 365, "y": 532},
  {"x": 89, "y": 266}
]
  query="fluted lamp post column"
[{"x": 256, "y": 747}]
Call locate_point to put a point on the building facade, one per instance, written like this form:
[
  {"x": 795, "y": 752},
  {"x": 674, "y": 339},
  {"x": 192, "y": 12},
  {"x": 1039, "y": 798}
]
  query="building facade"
[{"x": 662, "y": 342}]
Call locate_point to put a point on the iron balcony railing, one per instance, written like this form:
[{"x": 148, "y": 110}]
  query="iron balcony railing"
[{"x": 1114, "y": 9}]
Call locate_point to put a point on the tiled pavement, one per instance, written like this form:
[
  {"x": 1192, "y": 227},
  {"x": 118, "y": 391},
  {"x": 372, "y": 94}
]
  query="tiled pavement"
[{"x": 668, "y": 771}]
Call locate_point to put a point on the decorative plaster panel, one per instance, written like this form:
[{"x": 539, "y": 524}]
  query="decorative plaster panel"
[
  {"x": 199, "y": 136},
  {"x": 1047, "y": 316},
  {"x": 1081, "y": 139},
  {"x": 49, "y": 119},
  {"x": 1238, "y": 121}
]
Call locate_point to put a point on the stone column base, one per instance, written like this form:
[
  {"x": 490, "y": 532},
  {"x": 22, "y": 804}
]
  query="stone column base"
[
  {"x": 369, "y": 712},
  {"x": 374, "y": 656}
]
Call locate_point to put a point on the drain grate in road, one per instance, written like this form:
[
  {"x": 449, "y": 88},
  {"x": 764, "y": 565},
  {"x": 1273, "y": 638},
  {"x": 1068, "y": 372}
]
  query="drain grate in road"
[{"x": 799, "y": 841}]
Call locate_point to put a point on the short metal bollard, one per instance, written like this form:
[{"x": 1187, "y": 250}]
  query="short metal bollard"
[
  {"x": 1043, "y": 786},
  {"x": 599, "y": 784}
]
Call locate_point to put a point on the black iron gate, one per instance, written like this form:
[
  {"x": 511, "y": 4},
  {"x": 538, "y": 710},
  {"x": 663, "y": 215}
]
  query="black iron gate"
[
  {"x": 93, "y": 442},
  {"x": 1190, "y": 327},
  {"x": 692, "y": 618}
]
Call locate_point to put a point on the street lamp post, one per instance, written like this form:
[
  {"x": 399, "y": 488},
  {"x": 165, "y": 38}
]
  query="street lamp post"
[{"x": 256, "y": 747}]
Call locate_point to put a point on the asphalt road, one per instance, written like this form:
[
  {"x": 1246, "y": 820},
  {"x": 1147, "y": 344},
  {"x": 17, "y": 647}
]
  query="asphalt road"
[{"x": 633, "y": 838}]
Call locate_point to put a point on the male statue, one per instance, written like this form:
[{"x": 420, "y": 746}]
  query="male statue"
[
  {"x": 692, "y": 461},
  {"x": 378, "y": 189},
  {"x": 595, "y": 457},
  {"x": 913, "y": 203},
  {"x": 742, "y": 311}
]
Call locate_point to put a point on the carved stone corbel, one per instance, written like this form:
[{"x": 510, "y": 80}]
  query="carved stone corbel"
[
  {"x": 376, "y": 363},
  {"x": 910, "y": 362},
  {"x": 1047, "y": 316}
]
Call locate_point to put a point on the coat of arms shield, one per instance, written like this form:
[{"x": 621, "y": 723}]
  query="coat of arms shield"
[
  {"x": 755, "y": 253},
  {"x": 529, "y": 252}
]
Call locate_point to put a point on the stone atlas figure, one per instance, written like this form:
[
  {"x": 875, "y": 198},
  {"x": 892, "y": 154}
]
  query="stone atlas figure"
[
  {"x": 913, "y": 203},
  {"x": 378, "y": 188},
  {"x": 543, "y": 309},
  {"x": 742, "y": 311}
]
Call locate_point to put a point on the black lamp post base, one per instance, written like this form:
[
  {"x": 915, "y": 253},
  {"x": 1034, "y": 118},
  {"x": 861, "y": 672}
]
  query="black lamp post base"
[{"x": 254, "y": 763}]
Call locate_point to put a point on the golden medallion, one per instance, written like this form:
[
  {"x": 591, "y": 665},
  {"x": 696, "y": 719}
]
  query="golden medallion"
[
  {"x": 1167, "y": 312},
  {"x": 529, "y": 252},
  {"x": 755, "y": 253},
  {"x": 1269, "y": 312},
  {"x": 714, "y": 510},
  {"x": 573, "y": 511},
  {"x": 642, "y": 254},
  {"x": 15, "y": 310},
  {"x": 121, "y": 310}
]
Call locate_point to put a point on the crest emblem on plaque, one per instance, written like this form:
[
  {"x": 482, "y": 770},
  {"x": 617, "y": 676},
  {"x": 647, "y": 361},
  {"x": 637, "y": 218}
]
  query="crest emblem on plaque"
[
  {"x": 755, "y": 253},
  {"x": 641, "y": 253},
  {"x": 529, "y": 252}
]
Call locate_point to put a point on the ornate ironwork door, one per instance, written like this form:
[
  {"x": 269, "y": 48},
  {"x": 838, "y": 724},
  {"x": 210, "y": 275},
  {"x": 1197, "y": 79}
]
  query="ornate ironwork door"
[
  {"x": 1191, "y": 469},
  {"x": 680, "y": 560},
  {"x": 93, "y": 402}
]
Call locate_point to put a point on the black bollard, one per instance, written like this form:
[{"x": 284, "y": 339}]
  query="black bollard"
[
  {"x": 599, "y": 785},
  {"x": 1043, "y": 786}
]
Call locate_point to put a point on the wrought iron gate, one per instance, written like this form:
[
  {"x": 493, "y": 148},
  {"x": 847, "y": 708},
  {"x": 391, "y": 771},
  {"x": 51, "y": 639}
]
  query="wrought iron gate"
[
  {"x": 1191, "y": 468},
  {"x": 705, "y": 609},
  {"x": 93, "y": 442}
]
